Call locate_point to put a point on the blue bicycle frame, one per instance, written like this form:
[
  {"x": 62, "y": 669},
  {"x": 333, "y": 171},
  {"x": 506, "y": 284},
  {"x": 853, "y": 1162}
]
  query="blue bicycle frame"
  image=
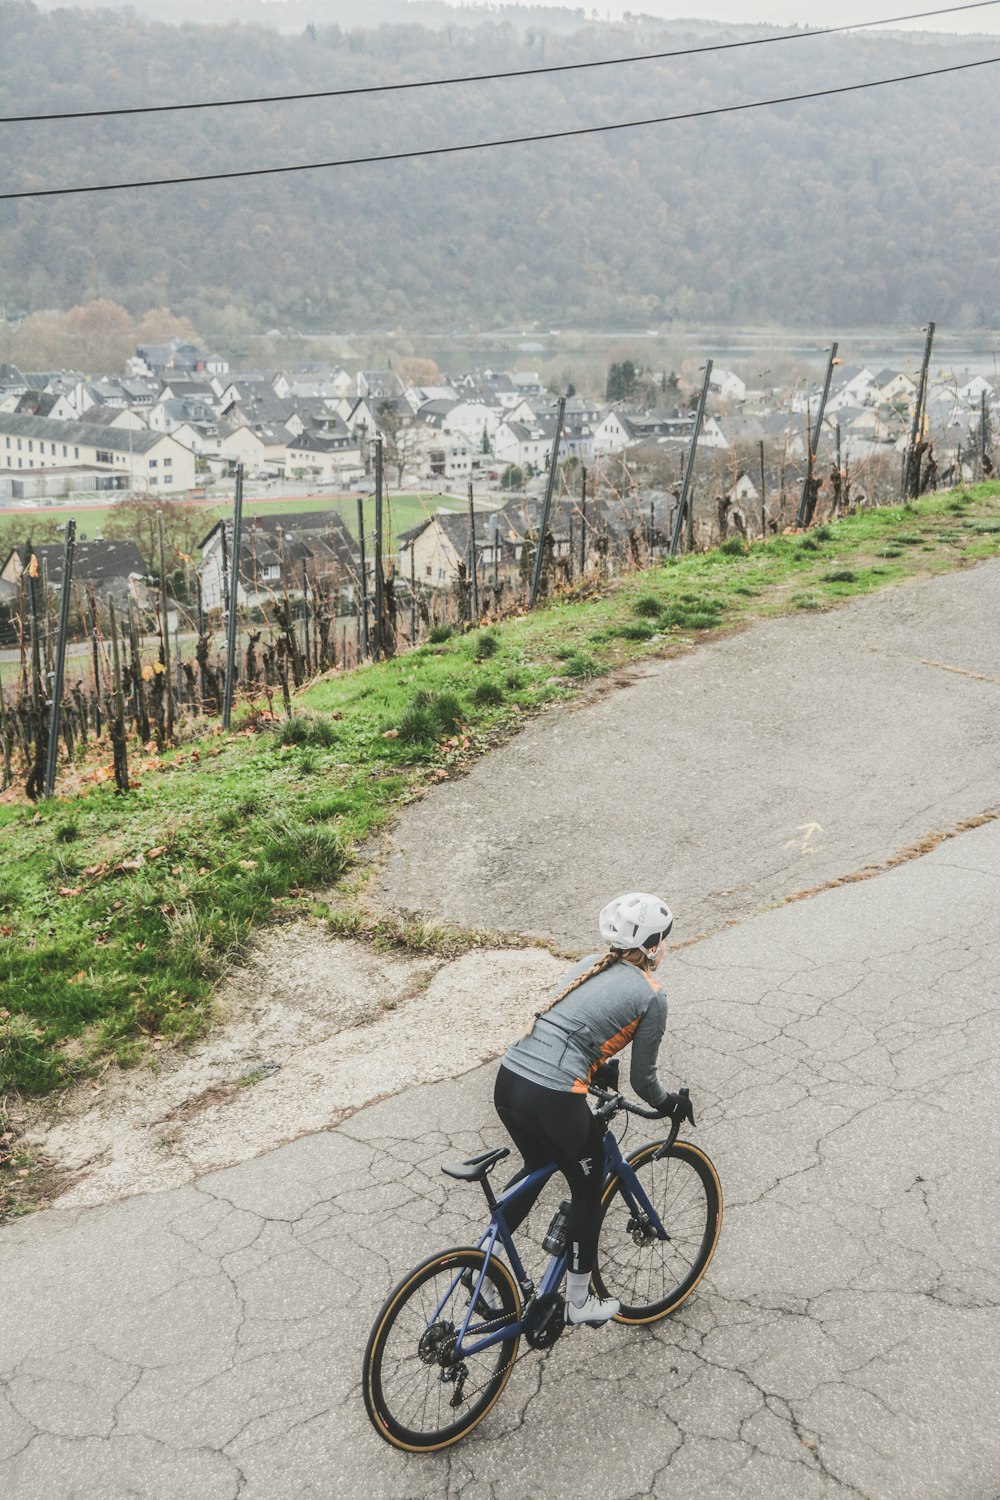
[{"x": 635, "y": 1197}]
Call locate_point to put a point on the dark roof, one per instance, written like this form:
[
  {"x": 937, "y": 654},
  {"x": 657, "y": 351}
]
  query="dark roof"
[
  {"x": 11, "y": 379},
  {"x": 122, "y": 440},
  {"x": 101, "y": 416},
  {"x": 36, "y": 404},
  {"x": 302, "y": 522},
  {"x": 99, "y": 563}
]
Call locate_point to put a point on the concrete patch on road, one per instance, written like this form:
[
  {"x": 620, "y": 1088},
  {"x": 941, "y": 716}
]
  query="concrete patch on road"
[{"x": 313, "y": 1029}]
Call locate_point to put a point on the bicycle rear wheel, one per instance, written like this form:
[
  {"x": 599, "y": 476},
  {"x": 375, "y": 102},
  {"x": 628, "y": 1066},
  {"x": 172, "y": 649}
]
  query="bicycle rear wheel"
[
  {"x": 418, "y": 1395},
  {"x": 651, "y": 1277}
]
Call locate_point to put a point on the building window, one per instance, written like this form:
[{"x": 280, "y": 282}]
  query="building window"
[
  {"x": 168, "y": 463},
  {"x": 64, "y": 450},
  {"x": 76, "y": 453},
  {"x": 31, "y": 446},
  {"x": 102, "y": 456},
  {"x": 152, "y": 463}
]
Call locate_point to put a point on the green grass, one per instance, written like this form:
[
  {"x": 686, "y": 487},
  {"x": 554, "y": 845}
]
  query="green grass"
[
  {"x": 403, "y": 511},
  {"x": 118, "y": 914}
]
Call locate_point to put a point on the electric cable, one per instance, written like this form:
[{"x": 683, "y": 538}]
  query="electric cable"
[
  {"x": 513, "y": 140},
  {"x": 436, "y": 83}
]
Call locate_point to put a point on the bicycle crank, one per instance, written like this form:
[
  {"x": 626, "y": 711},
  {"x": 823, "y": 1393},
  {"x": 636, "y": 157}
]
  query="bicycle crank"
[{"x": 544, "y": 1321}]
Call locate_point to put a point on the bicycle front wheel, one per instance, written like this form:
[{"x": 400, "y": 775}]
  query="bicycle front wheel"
[
  {"x": 419, "y": 1394},
  {"x": 651, "y": 1277}
]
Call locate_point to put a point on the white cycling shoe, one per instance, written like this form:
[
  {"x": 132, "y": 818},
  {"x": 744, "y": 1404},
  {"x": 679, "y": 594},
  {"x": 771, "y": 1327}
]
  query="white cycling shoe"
[{"x": 594, "y": 1312}]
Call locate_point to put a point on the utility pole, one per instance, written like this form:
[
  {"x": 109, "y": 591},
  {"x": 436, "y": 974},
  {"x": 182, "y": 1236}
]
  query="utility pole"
[
  {"x": 165, "y": 629},
  {"x": 472, "y": 556},
  {"x": 60, "y": 663},
  {"x": 544, "y": 526},
  {"x": 911, "y": 466},
  {"x": 807, "y": 504},
  {"x": 95, "y": 656},
  {"x": 763, "y": 491},
  {"x": 234, "y": 599},
  {"x": 683, "y": 501},
  {"x": 378, "y": 643},
  {"x": 583, "y": 522},
  {"x": 363, "y": 601}
]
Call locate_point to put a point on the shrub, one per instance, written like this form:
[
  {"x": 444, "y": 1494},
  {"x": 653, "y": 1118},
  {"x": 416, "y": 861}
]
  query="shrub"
[
  {"x": 805, "y": 601},
  {"x": 306, "y": 730},
  {"x": 648, "y": 604},
  {"x": 489, "y": 695},
  {"x": 487, "y": 645},
  {"x": 639, "y": 630},
  {"x": 438, "y": 634},
  {"x": 823, "y": 533},
  {"x": 321, "y": 809},
  {"x": 841, "y": 575},
  {"x": 583, "y": 667},
  {"x": 429, "y": 716},
  {"x": 416, "y": 725},
  {"x": 514, "y": 681},
  {"x": 66, "y": 833},
  {"x": 734, "y": 547}
]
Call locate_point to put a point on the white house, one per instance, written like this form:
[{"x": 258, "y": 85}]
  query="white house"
[
  {"x": 891, "y": 384},
  {"x": 146, "y": 460},
  {"x": 855, "y": 386},
  {"x": 327, "y": 459},
  {"x": 524, "y": 443},
  {"x": 974, "y": 390},
  {"x": 726, "y": 385}
]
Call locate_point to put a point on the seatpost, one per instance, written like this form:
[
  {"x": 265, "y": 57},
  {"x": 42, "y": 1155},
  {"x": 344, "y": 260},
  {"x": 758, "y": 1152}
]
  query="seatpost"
[{"x": 490, "y": 1195}]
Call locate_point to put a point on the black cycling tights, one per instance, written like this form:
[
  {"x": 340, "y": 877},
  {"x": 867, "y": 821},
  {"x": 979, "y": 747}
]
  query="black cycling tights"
[{"x": 548, "y": 1125}]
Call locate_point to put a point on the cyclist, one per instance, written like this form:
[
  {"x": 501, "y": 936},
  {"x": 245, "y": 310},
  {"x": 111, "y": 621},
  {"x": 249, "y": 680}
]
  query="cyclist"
[{"x": 601, "y": 1005}]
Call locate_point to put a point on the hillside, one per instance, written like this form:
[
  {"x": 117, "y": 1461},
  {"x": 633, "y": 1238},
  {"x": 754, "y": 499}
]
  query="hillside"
[{"x": 877, "y": 207}]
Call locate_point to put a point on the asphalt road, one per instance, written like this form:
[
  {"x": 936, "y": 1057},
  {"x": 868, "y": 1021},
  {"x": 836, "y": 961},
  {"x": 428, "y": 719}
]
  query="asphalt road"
[
  {"x": 843, "y": 1055},
  {"x": 794, "y": 753}
]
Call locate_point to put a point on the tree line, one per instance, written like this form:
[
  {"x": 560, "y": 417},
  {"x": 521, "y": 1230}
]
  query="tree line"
[{"x": 866, "y": 208}]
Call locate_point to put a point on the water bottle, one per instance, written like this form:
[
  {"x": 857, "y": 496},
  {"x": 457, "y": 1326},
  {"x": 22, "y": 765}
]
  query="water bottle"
[{"x": 555, "y": 1238}]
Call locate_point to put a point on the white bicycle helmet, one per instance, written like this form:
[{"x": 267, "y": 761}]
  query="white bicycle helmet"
[{"x": 637, "y": 920}]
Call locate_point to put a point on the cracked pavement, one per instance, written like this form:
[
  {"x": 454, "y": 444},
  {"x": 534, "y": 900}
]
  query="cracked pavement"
[
  {"x": 782, "y": 757},
  {"x": 206, "y": 1341}
]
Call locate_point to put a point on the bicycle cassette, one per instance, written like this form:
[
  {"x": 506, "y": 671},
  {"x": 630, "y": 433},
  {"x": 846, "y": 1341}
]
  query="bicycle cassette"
[{"x": 544, "y": 1321}]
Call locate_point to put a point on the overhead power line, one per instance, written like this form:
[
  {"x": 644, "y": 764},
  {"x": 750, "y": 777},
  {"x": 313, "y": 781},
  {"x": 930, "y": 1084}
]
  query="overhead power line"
[
  {"x": 513, "y": 140},
  {"x": 437, "y": 83}
]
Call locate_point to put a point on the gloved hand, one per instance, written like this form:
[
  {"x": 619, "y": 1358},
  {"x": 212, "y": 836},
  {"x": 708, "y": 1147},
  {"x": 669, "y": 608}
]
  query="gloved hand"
[
  {"x": 606, "y": 1076},
  {"x": 677, "y": 1107}
]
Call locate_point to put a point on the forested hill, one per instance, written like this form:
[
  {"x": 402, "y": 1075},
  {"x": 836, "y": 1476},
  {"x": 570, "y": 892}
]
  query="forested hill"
[{"x": 872, "y": 207}]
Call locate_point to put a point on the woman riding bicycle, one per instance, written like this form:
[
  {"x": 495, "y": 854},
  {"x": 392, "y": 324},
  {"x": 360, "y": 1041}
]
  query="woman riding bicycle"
[{"x": 601, "y": 1005}]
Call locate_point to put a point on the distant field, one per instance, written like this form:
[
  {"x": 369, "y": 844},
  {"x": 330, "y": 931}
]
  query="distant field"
[{"x": 404, "y": 511}]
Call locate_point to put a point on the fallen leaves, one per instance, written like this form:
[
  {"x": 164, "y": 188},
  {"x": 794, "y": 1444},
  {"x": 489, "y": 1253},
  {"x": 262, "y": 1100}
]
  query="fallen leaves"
[
  {"x": 70, "y": 890},
  {"x": 155, "y": 853}
]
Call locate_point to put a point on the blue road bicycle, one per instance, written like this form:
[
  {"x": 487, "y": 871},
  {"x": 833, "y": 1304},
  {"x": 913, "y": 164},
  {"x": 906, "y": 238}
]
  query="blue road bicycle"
[{"x": 444, "y": 1344}]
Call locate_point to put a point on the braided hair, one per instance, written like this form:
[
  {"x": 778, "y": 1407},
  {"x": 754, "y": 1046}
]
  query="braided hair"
[{"x": 636, "y": 956}]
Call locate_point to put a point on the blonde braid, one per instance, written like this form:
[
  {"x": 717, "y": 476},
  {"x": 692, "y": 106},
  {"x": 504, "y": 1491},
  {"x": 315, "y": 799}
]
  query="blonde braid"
[{"x": 614, "y": 956}]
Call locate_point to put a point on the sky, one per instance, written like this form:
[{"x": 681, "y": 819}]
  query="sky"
[{"x": 809, "y": 13}]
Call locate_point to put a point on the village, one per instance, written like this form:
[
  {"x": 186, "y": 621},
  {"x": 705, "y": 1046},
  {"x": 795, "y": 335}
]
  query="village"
[{"x": 179, "y": 423}]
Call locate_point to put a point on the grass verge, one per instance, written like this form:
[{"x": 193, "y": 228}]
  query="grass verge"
[{"x": 117, "y": 915}]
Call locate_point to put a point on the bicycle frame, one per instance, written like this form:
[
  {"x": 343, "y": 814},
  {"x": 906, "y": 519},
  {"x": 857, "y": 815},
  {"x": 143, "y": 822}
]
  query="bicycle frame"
[{"x": 614, "y": 1164}]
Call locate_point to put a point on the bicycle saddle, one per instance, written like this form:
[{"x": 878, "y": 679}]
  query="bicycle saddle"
[{"x": 476, "y": 1168}]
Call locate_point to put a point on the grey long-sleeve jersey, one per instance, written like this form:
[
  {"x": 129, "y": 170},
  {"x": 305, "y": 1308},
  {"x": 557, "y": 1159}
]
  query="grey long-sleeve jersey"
[{"x": 568, "y": 1043}]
